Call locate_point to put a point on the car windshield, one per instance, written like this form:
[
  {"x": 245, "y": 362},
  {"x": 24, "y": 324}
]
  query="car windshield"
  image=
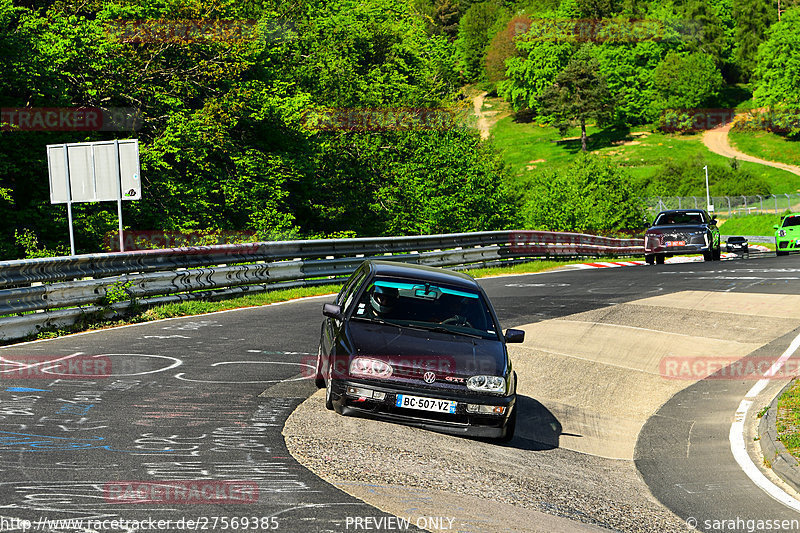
[
  {"x": 418, "y": 304},
  {"x": 791, "y": 221},
  {"x": 736, "y": 239},
  {"x": 665, "y": 219}
]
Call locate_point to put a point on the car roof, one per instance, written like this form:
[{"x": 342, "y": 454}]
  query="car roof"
[
  {"x": 422, "y": 272},
  {"x": 671, "y": 211}
]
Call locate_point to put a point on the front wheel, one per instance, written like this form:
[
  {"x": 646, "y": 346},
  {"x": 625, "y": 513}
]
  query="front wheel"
[
  {"x": 511, "y": 426},
  {"x": 660, "y": 259},
  {"x": 328, "y": 395},
  {"x": 717, "y": 254},
  {"x": 650, "y": 259},
  {"x": 779, "y": 253},
  {"x": 708, "y": 256},
  {"x": 319, "y": 379}
]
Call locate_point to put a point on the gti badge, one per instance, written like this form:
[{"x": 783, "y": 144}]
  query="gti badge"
[{"x": 429, "y": 377}]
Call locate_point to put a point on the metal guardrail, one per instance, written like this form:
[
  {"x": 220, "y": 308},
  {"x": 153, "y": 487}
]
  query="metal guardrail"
[
  {"x": 758, "y": 238},
  {"x": 55, "y": 292}
]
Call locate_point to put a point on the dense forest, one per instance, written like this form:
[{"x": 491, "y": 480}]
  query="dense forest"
[{"x": 228, "y": 107}]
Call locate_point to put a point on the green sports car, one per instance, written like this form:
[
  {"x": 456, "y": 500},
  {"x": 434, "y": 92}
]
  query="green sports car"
[{"x": 787, "y": 236}]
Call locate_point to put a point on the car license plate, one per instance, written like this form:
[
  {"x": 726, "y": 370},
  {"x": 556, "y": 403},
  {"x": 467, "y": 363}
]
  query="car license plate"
[
  {"x": 675, "y": 243},
  {"x": 425, "y": 404}
]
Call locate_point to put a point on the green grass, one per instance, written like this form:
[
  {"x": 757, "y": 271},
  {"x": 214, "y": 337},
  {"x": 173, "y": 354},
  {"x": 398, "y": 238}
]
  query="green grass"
[
  {"x": 199, "y": 307},
  {"x": 750, "y": 225},
  {"x": 788, "y": 419},
  {"x": 525, "y": 144},
  {"x": 531, "y": 267},
  {"x": 769, "y": 146}
]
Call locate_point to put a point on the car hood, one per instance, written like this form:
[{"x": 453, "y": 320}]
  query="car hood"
[{"x": 412, "y": 352}]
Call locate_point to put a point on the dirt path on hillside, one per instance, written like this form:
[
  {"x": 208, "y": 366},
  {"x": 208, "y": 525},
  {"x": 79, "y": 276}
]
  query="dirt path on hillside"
[
  {"x": 483, "y": 120},
  {"x": 716, "y": 140}
]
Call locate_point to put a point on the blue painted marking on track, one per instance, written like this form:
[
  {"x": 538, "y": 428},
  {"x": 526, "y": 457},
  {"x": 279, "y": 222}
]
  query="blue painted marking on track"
[{"x": 25, "y": 389}]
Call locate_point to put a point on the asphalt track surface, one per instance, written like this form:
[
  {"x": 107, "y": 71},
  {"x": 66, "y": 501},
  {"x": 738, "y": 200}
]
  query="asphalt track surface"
[{"x": 204, "y": 399}]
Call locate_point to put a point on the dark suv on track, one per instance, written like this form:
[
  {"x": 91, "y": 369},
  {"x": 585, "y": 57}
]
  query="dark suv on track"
[{"x": 682, "y": 232}]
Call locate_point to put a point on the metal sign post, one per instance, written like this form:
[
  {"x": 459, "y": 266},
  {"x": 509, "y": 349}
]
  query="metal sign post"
[
  {"x": 69, "y": 202},
  {"x": 119, "y": 195},
  {"x": 708, "y": 193}
]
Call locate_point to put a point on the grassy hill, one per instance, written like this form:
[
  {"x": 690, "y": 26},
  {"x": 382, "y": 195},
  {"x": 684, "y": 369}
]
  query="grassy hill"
[{"x": 529, "y": 149}]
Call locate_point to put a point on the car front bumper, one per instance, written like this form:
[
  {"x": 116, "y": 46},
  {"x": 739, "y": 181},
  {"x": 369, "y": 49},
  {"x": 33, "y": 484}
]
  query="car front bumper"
[
  {"x": 459, "y": 423},
  {"x": 693, "y": 243},
  {"x": 786, "y": 244}
]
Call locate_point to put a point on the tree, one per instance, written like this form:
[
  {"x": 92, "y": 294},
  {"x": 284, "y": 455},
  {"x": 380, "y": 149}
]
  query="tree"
[
  {"x": 473, "y": 36},
  {"x": 502, "y": 47},
  {"x": 778, "y": 68},
  {"x": 685, "y": 81},
  {"x": 531, "y": 72},
  {"x": 598, "y": 9},
  {"x": 753, "y": 19},
  {"x": 592, "y": 194},
  {"x": 579, "y": 93}
]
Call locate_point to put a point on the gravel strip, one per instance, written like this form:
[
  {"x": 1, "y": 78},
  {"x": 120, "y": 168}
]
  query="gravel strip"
[{"x": 588, "y": 489}]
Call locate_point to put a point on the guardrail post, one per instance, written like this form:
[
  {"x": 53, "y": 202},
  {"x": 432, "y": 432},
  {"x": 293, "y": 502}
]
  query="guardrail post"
[
  {"x": 695, "y": 201},
  {"x": 730, "y": 211},
  {"x": 776, "y": 204},
  {"x": 679, "y": 203},
  {"x": 760, "y": 199}
]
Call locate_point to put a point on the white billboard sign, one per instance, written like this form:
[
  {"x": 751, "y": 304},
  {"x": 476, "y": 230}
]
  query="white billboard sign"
[
  {"x": 100, "y": 171},
  {"x": 97, "y": 172}
]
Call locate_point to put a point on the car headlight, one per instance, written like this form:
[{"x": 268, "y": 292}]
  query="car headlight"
[
  {"x": 782, "y": 233},
  {"x": 493, "y": 384},
  {"x": 367, "y": 367}
]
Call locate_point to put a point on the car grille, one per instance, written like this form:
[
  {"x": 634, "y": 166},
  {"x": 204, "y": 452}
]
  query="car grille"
[{"x": 688, "y": 238}]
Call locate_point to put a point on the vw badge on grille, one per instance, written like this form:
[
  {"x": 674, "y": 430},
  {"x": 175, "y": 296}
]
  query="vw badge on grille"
[{"x": 429, "y": 377}]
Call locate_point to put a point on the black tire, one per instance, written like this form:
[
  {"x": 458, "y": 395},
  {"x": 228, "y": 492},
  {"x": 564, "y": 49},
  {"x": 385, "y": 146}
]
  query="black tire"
[
  {"x": 660, "y": 259},
  {"x": 511, "y": 427},
  {"x": 319, "y": 379},
  {"x": 717, "y": 254},
  {"x": 328, "y": 395},
  {"x": 779, "y": 253},
  {"x": 708, "y": 256},
  {"x": 650, "y": 259}
]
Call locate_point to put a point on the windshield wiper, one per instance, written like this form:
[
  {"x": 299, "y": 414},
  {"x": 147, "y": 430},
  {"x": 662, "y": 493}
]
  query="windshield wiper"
[
  {"x": 375, "y": 320},
  {"x": 442, "y": 329}
]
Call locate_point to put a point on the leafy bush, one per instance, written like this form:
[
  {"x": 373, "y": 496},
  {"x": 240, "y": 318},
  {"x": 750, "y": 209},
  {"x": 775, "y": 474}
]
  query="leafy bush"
[
  {"x": 591, "y": 195},
  {"x": 687, "y": 178}
]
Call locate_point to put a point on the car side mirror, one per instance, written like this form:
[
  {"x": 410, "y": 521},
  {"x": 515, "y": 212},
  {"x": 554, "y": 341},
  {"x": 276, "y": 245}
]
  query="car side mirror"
[
  {"x": 514, "y": 335},
  {"x": 775, "y": 226},
  {"x": 714, "y": 221},
  {"x": 332, "y": 311}
]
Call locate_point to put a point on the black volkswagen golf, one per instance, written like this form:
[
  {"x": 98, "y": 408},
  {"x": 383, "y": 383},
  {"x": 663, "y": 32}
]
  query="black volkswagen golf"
[{"x": 420, "y": 346}]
